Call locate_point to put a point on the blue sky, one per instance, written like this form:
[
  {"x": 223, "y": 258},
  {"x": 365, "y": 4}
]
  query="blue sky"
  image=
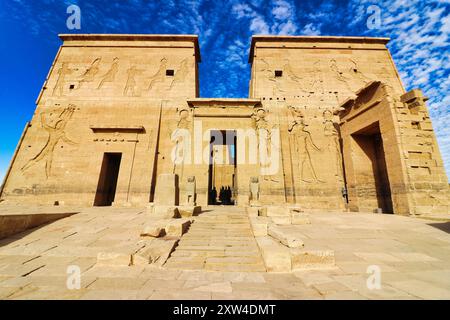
[{"x": 28, "y": 36}]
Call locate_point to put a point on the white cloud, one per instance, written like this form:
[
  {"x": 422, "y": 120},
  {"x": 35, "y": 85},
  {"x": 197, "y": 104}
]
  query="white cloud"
[
  {"x": 310, "y": 30},
  {"x": 259, "y": 26}
]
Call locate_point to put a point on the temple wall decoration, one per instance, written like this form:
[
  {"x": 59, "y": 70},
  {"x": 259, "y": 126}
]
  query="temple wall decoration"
[{"x": 327, "y": 126}]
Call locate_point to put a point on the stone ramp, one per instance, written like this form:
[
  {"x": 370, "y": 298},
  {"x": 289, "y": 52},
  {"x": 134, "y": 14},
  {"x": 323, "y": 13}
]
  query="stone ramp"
[{"x": 220, "y": 239}]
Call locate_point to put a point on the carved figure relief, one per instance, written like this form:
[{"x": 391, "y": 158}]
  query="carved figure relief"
[
  {"x": 262, "y": 128},
  {"x": 339, "y": 75},
  {"x": 317, "y": 78},
  {"x": 332, "y": 135},
  {"x": 90, "y": 73},
  {"x": 179, "y": 137},
  {"x": 183, "y": 119},
  {"x": 110, "y": 75},
  {"x": 349, "y": 76},
  {"x": 303, "y": 146},
  {"x": 181, "y": 73},
  {"x": 62, "y": 73},
  {"x": 270, "y": 75},
  {"x": 290, "y": 74},
  {"x": 266, "y": 148},
  {"x": 130, "y": 87},
  {"x": 56, "y": 133},
  {"x": 160, "y": 75}
]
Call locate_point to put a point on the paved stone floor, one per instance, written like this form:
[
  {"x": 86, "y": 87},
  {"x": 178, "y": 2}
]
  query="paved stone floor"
[{"x": 413, "y": 255}]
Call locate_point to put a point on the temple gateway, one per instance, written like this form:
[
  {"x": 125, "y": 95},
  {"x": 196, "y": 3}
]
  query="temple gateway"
[{"x": 327, "y": 125}]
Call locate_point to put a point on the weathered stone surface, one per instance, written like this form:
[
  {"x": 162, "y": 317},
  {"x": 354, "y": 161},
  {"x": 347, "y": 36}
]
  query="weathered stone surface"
[
  {"x": 155, "y": 228},
  {"x": 114, "y": 258},
  {"x": 189, "y": 211},
  {"x": 163, "y": 212},
  {"x": 259, "y": 226},
  {"x": 312, "y": 259},
  {"x": 277, "y": 258},
  {"x": 14, "y": 223},
  {"x": 300, "y": 218},
  {"x": 284, "y": 236},
  {"x": 177, "y": 227},
  {"x": 155, "y": 252}
]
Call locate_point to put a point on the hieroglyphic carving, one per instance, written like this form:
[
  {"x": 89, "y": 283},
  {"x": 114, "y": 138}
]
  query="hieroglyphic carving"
[
  {"x": 110, "y": 75},
  {"x": 130, "y": 86},
  {"x": 90, "y": 73},
  {"x": 62, "y": 73},
  {"x": 56, "y": 132},
  {"x": 303, "y": 146},
  {"x": 159, "y": 76},
  {"x": 181, "y": 73},
  {"x": 333, "y": 144}
]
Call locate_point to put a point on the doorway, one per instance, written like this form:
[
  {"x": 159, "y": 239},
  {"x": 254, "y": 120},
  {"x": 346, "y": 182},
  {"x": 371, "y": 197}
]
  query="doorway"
[
  {"x": 222, "y": 174},
  {"x": 107, "y": 181},
  {"x": 372, "y": 174}
]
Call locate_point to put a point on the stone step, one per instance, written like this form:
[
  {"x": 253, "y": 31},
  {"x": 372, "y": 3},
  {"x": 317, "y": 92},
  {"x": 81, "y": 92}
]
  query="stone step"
[
  {"x": 219, "y": 240},
  {"x": 235, "y": 267},
  {"x": 233, "y": 260}
]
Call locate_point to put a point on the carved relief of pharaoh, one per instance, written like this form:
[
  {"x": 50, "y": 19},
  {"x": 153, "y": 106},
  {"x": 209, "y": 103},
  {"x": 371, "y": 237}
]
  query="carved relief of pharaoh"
[
  {"x": 62, "y": 73},
  {"x": 316, "y": 83},
  {"x": 262, "y": 131},
  {"x": 181, "y": 73},
  {"x": 303, "y": 148},
  {"x": 181, "y": 138},
  {"x": 90, "y": 73},
  {"x": 131, "y": 86},
  {"x": 160, "y": 75},
  {"x": 110, "y": 75},
  {"x": 333, "y": 144},
  {"x": 56, "y": 133},
  {"x": 269, "y": 74}
]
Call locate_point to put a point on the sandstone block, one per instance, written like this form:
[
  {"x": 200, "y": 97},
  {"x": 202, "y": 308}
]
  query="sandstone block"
[
  {"x": 259, "y": 226},
  {"x": 114, "y": 258},
  {"x": 286, "y": 237},
  {"x": 189, "y": 211},
  {"x": 155, "y": 228},
  {"x": 300, "y": 218},
  {"x": 312, "y": 259},
  {"x": 277, "y": 257},
  {"x": 278, "y": 211},
  {"x": 177, "y": 227},
  {"x": 164, "y": 212},
  {"x": 155, "y": 252},
  {"x": 253, "y": 211},
  {"x": 166, "y": 189},
  {"x": 285, "y": 220}
]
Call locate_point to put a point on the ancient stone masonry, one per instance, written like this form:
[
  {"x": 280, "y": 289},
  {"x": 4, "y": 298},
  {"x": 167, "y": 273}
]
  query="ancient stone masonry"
[{"x": 327, "y": 125}]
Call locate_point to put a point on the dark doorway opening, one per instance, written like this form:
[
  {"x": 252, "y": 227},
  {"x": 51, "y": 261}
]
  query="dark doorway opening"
[
  {"x": 373, "y": 170},
  {"x": 107, "y": 181},
  {"x": 222, "y": 174}
]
